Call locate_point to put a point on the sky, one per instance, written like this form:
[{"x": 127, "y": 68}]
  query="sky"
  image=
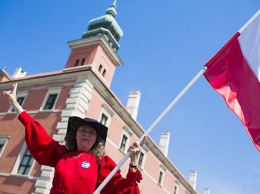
[{"x": 165, "y": 44}]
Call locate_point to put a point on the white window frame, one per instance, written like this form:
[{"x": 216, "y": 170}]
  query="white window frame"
[
  {"x": 144, "y": 158},
  {"x": 51, "y": 90},
  {"x": 162, "y": 169},
  {"x": 3, "y": 140},
  {"x": 127, "y": 141},
  {"x": 144, "y": 150},
  {"x": 177, "y": 184},
  {"x": 18, "y": 161},
  {"x": 160, "y": 181},
  {"x": 128, "y": 133},
  {"x": 107, "y": 119},
  {"x": 108, "y": 112},
  {"x": 177, "y": 189}
]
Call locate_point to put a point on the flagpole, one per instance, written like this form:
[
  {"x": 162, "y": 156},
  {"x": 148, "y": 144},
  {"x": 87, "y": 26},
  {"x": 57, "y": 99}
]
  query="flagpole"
[
  {"x": 249, "y": 21},
  {"x": 101, "y": 186}
]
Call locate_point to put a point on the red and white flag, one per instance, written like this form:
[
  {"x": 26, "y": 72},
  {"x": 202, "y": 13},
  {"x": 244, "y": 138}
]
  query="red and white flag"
[{"x": 234, "y": 72}]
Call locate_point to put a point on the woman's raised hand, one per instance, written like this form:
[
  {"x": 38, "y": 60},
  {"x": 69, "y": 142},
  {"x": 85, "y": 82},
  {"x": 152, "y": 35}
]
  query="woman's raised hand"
[
  {"x": 13, "y": 100},
  {"x": 135, "y": 150}
]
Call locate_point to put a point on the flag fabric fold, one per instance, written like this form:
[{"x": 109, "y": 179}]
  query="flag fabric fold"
[{"x": 234, "y": 72}]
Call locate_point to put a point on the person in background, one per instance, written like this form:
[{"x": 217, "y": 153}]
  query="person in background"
[{"x": 81, "y": 164}]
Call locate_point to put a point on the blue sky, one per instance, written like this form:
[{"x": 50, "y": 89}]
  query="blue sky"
[{"x": 165, "y": 44}]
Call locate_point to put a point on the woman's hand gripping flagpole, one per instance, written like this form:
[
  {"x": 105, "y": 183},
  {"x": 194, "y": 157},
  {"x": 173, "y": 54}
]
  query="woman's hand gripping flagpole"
[{"x": 140, "y": 141}]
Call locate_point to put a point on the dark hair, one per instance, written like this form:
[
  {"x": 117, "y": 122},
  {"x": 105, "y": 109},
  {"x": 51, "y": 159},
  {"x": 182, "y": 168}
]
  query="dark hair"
[{"x": 98, "y": 149}]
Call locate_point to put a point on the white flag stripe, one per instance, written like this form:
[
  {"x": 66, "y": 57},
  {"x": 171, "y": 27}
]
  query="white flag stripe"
[{"x": 249, "y": 41}]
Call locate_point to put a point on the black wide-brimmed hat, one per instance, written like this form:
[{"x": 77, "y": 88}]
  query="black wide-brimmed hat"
[{"x": 75, "y": 122}]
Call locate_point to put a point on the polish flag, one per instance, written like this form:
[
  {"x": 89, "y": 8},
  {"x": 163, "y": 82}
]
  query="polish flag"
[{"x": 234, "y": 72}]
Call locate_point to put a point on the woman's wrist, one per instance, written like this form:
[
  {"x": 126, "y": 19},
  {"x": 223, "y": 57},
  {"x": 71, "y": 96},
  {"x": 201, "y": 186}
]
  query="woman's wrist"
[{"x": 132, "y": 166}]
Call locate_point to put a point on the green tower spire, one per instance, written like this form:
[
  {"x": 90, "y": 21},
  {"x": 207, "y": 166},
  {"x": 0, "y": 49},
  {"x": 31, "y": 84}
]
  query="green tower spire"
[{"x": 106, "y": 25}]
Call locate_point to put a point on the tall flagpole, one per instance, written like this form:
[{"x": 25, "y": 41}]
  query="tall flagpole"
[{"x": 101, "y": 186}]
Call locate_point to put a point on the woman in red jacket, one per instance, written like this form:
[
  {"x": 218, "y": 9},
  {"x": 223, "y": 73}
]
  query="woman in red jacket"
[{"x": 80, "y": 165}]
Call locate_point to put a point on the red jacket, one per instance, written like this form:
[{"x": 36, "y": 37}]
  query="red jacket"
[{"x": 76, "y": 172}]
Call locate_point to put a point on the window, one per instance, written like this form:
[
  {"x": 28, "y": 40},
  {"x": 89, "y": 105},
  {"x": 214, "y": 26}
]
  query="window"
[
  {"x": 123, "y": 143},
  {"x": 20, "y": 101},
  {"x": 161, "y": 175},
  {"x": 23, "y": 163},
  {"x": 100, "y": 68},
  {"x": 82, "y": 61},
  {"x": 1, "y": 147},
  {"x": 160, "y": 180},
  {"x": 26, "y": 163},
  {"x": 76, "y": 63},
  {"x": 3, "y": 142},
  {"x": 50, "y": 101},
  {"x": 104, "y": 73},
  {"x": 141, "y": 159},
  {"x": 50, "y": 98},
  {"x": 175, "y": 190},
  {"x": 106, "y": 114},
  {"x": 125, "y": 139},
  {"x": 103, "y": 119}
]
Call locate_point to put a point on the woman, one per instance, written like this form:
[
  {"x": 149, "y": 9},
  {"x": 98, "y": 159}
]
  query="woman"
[{"x": 80, "y": 165}]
